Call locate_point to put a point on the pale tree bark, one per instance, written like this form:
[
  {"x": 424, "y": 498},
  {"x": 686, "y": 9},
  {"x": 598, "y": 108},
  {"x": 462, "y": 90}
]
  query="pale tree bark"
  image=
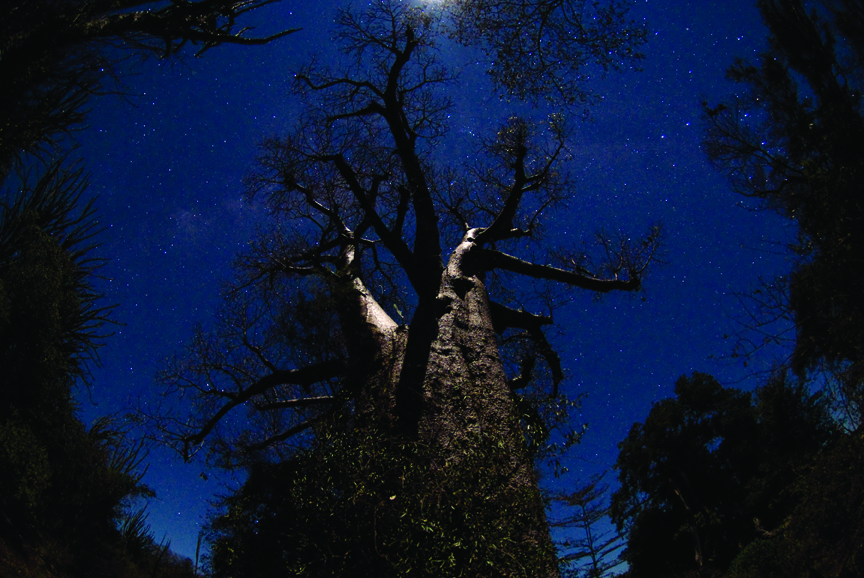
[{"x": 465, "y": 389}]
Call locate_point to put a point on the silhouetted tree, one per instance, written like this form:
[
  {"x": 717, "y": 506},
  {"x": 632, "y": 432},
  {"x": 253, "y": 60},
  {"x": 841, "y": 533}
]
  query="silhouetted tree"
[
  {"x": 593, "y": 552},
  {"x": 54, "y": 54},
  {"x": 366, "y": 215},
  {"x": 710, "y": 471},
  {"x": 821, "y": 536},
  {"x": 63, "y": 487},
  {"x": 793, "y": 138},
  {"x": 66, "y": 490}
]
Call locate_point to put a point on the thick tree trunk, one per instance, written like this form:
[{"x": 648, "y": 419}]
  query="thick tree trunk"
[
  {"x": 466, "y": 397},
  {"x": 463, "y": 406},
  {"x": 376, "y": 347},
  {"x": 465, "y": 388}
]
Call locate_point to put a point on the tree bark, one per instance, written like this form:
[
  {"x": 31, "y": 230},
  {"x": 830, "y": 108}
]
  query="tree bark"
[{"x": 465, "y": 400}]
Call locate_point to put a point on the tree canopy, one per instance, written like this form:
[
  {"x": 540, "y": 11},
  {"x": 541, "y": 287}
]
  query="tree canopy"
[
  {"x": 54, "y": 54},
  {"x": 711, "y": 469},
  {"x": 68, "y": 492},
  {"x": 792, "y": 139}
]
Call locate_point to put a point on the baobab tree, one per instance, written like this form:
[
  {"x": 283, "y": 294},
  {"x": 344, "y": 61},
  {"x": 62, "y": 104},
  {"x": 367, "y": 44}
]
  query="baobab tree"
[{"x": 388, "y": 289}]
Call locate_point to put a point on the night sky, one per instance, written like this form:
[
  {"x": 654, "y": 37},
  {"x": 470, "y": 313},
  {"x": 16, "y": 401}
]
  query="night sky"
[{"x": 168, "y": 162}]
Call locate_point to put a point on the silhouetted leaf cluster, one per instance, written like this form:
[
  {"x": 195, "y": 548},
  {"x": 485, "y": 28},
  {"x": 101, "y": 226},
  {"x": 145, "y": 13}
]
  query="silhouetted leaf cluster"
[
  {"x": 713, "y": 470},
  {"x": 66, "y": 491},
  {"x": 793, "y": 138},
  {"x": 54, "y": 54}
]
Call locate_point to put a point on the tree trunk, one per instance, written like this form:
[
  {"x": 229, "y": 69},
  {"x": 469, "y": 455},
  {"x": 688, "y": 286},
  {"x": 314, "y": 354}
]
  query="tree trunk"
[
  {"x": 464, "y": 406},
  {"x": 466, "y": 397}
]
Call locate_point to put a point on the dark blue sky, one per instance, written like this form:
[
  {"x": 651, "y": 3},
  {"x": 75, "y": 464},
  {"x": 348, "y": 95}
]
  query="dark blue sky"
[{"x": 168, "y": 174}]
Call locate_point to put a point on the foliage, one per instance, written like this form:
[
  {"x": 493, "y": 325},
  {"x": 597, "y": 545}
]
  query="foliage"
[
  {"x": 354, "y": 505},
  {"x": 712, "y": 468},
  {"x": 823, "y": 534},
  {"x": 594, "y": 552},
  {"x": 67, "y": 491},
  {"x": 49, "y": 326},
  {"x": 792, "y": 139},
  {"x": 47, "y": 267},
  {"x": 64, "y": 487},
  {"x": 54, "y": 54}
]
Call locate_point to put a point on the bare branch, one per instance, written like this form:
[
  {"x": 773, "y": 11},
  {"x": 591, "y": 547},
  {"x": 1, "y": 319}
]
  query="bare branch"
[
  {"x": 523, "y": 166},
  {"x": 305, "y": 376},
  {"x": 549, "y": 49},
  {"x": 504, "y": 317},
  {"x": 497, "y": 260},
  {"x": 206, "y": 23},
  {"x": 290, "y": 432},
  {"x": 297, "y": 402}
]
